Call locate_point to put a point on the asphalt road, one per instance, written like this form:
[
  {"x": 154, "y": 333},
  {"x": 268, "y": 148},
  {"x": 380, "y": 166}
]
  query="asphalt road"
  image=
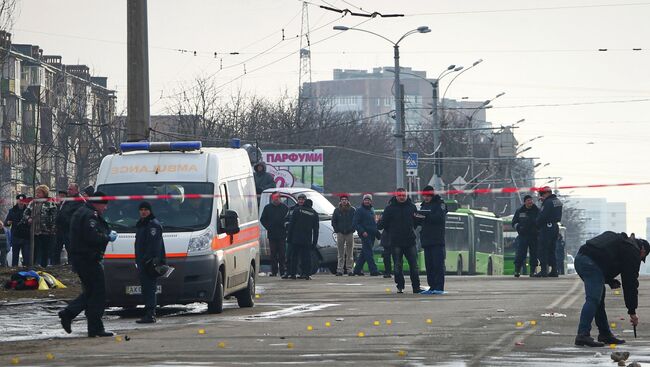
[{"x": 319, "y": 322}]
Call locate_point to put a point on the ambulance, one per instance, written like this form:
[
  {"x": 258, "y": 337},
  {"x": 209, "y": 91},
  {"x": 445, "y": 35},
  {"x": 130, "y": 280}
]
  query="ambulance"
[{"x": 205, "y": 200}]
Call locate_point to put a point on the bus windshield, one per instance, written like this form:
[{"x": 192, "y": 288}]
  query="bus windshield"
[{"x": 175, "y": 215}]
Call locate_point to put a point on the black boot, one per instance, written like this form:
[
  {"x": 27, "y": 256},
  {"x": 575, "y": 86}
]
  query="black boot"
[
  {"x": 148, "y": 318},
  {"x": 66, "y": 321},
  {"x": 610, "y": 339},
  {"x": 586, "y": 340},
  {"x": 101, "y": 333}
]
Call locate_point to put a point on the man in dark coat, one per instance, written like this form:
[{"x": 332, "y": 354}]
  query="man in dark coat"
[
  {"x": 366, "y": 227},
  {"x": 343, "y": 227},
  {"x": 400, "y": 221},
  {"x": 549, "y": 229},
  {"x": 384, "y": 242},
  {"x": 89, "y": 235},
  {"x": 263, "y": 179},
  {"x": 525, "y": 223},
  {"x": 273, "y": 219},
  {"x": 149, "y": 252},
  {"x": 302, "y": 233},
  {"x": 432, "y": 238},
  {"x": 599, "y": 262},
  {"x": 19, "y": 231},
  {"x": 63, "y": 217}
]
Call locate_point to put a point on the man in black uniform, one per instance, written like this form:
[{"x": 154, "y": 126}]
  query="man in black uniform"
[
  {"x": 303, "y": 236},
  {"x": 273, "y": 219},
  {"x": 64, "y": 215},
  {"x": 149, "y": 252},
  {"x": 89, "y": 235},
  {"x": 547, "y": 222},
  {"x": 597, "y": 263},
  {"x": 525, "y": 223},
  {"x": 432, "y": 239},
  {"x": 400, "y": 220}
]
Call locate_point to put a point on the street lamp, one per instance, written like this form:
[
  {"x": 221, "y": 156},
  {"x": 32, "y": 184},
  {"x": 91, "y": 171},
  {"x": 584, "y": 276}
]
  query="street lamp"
[
  {"x": 457, "y": 75},
  {"x": 399, "y": 134}
]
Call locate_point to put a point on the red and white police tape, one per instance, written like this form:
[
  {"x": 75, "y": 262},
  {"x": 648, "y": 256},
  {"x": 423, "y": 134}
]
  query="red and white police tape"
[{"x": 503, "y": 190}]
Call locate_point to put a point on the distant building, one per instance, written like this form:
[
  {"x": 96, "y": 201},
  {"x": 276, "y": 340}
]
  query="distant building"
[
  {"x": 601, "y": 215},
  {"x": 647, "y": 228}
]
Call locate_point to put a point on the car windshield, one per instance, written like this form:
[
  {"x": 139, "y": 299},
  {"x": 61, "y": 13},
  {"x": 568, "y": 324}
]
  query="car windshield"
[
  {"x": 176, "y": 215},
  {"x": 323, "y": 207}
]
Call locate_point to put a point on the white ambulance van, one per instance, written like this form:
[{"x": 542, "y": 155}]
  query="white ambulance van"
[{"x": 207, "y": 206}]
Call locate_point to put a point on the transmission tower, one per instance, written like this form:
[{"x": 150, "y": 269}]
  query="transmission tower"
[{"x": 304, "y": 74}]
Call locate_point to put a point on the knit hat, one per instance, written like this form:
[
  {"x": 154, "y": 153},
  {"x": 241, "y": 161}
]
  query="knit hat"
[
  {"x": 341, "y": 196},
  {"x": 367, "y": 196},
  {"x": 302, "y": 196},
  {"x": 145, "y": 205},
  {"x": 644, "y": 245},
  {"x": 427, "y": 191},
  {"x": 527, "y": 197},
  {"x": 99, "y": 194}
]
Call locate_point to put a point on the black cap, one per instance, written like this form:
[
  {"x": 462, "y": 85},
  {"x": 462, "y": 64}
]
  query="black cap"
[
  {"x": 427, "y": 190},
  {"x": 90, "y": 191},
  {"x": 99, "y": 194},
  {"x": 302, "y": 196},
  {"x": 145, "y": 205},
  {"x": 21, "y": 197}
]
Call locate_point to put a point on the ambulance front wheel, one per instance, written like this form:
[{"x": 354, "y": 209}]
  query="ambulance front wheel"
[
  {"x": 216, "y": 305},
  {"x": 246, "y": 296}
]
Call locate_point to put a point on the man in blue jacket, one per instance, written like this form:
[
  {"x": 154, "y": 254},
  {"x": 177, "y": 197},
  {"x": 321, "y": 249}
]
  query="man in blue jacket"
[
  {"x": 525, "y": 223},
  {"x": 400, "y": 220},
  {"x": 366, "y": 227},
  {"x": 149, "y": 252},
  {"x": 432, "y": 238},
  {"x": 548, "y": 224}
]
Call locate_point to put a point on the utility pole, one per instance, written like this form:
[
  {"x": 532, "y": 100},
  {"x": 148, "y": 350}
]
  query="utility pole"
[
  {"x": 137, "y": 71},
  {"x": 399, "y": 132},
  {"x": 437, "y": 171}
]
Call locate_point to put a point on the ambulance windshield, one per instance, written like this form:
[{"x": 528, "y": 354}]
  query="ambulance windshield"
[{"x": 176, "y": 214}]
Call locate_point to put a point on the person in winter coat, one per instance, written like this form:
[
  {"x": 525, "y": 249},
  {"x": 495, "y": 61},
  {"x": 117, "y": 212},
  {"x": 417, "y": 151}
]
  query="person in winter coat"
[
  {"x": 273, "y": 219},
  {"x": 366, "y": 227},
  {"x": 4, "y": 245},
  {"x": 599, "y": 262},
  {"x": 89, "y": 236},
  {"x": 302, "y": 233},
  {"x": 384, "y": 242},
  {"x": 41, "y": 215},
  {"x": 149, "y": 252},
  {"x": 548, "y": 224},
  {"x": 344, "y": 229},
  {"x": 19, "y": 231},
  {"x": 263, "y": 179},
  {"x": 400, "y": 221},
  {"x": 432, "y": 238},
  {"x": 63, "y": 217},
  {"x": 525, "y": 223}
]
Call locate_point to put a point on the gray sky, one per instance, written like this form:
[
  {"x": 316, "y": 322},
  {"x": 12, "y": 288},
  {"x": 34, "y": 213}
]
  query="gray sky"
[{"x": 542, "y": 56}]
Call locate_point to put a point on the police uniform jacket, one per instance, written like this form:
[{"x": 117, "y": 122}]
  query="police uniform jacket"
[
  {"x": 399, "y": 220},
  {"x": 433, "y": 224},
  {"x": 273, "y": 219},
  {"x": 303, "y": 226},
  {"x": 364, "y": 221},
  {"x": 149, "y": 242},
  {"x": 88, "y": 233},
  {"x": 616, "y": 253},
  {"x": 525, "y": 221},
  {"x": 551, "y": 212}
]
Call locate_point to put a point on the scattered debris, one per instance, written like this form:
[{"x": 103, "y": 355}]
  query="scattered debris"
[
  {"x": 598, "y": 354},
  {"x": 519, "y": 343},
  {"x": 628, "y": 331},
  {"x": 620, "y": 356},
  {"x": 553, "y": 314},
  {"x": 340, "y": 319},
  {"x": 634, "y": 364},
  {"x": 548, "y": 332},
  {"x": 501, "y": 310}
]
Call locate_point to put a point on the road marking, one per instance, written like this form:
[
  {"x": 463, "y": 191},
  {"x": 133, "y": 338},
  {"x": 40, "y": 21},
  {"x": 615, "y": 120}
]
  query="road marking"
[
  {"x": 568, "y": 293},
  {"x": 291, "y": 311}
]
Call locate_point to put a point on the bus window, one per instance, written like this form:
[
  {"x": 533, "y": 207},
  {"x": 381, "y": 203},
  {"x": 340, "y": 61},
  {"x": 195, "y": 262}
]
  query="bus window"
[{"x": 456, "y": 233}]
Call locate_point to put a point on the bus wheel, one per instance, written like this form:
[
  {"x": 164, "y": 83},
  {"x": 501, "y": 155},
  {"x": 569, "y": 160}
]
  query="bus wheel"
[
  {"x": 246, "y": 297},
  {"x": 459, "y": 266},
  {"x": 490, "y": 269},
  {"x": 216, "y": 305}
]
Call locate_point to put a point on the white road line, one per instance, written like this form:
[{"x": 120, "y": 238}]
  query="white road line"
[{"x": 568, "y": 293}]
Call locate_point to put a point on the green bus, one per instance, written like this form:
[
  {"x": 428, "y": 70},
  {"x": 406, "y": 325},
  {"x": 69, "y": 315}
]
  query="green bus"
[{"x": 474, "y": 243}]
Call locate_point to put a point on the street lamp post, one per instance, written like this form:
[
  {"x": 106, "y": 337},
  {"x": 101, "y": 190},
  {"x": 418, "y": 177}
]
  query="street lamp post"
[{"x": 399, "y": 133}]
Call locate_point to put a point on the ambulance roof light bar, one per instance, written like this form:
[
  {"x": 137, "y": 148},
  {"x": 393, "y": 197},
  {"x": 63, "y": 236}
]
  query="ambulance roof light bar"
[{"x": 171, "y": 146}]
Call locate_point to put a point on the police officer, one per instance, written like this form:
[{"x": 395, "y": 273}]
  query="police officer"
[
  {"x": 525, "y": 223},
  {"x": 598, "y": 262},
  {"x": 64, "y": 215},
  {"x": 302, "y": 233},
  {"x": 432, "y": 239},
  {"x": 547, "y": 222},
  {"x": 149, "y": 252},
  {"x": 89, "y": 235}
]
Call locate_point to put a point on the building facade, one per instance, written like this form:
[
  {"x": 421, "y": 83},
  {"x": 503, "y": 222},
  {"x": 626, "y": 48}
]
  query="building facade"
[{"x": 601, "y": 215}]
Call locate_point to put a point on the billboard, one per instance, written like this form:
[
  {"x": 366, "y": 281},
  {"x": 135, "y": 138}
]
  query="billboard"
[{"x": 296, "y": 168}]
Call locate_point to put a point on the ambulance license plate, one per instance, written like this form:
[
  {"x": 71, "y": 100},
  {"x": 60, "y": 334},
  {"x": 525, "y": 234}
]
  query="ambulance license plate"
[{"x": 132, "y": 290}]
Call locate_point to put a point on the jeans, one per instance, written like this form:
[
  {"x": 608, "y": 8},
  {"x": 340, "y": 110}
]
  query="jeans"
[
  {"x": 345, "y": 245},
  {"x": 278, "y": 261},
  {"x": 43, "y": 245},
  {"x": 527, "y": 244},
  {"x": 434, "y": 261},
  {"x": 365, "y": 256},
  {"x": 546, "y": 248},
  {"x": 93, "y": 292},
  {"x": 19, "y": 245},
  {"x": 148, "y": 285},
  {"x": 302, "y": 253},
  {"x": 594, "y": 307},
  {"x": 411, "y": 254}
]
